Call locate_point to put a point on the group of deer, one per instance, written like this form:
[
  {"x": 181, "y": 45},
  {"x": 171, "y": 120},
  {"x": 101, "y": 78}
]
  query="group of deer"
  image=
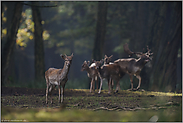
[
  {"x": 104, "y": 69},
  {"x": 110, "y": 71}
]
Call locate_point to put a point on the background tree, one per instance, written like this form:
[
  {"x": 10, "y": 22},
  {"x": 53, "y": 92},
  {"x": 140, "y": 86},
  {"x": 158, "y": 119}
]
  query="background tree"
[
  {"x": 72, "y": 27},
  {"x": 166, "y": 38},
  {"x": 98, "y": 50},
  {"x": 11, "y": 39},
  {"x": 39, "y": 45}
]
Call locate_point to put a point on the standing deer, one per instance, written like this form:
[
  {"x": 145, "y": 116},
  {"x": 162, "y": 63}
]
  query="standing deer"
[
  {"x": 56, "y": 77},
  {"x": 109, "y": 72},
  {"x": 91, "y": 72},
  {"x": 133, "y": 66},
  {"x": 106, "y": 62}
]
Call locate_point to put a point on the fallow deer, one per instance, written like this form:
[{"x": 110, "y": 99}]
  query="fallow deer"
[
  {"x": 109, "y": 72},
  {"x": 92, "y": 74},
  {"x": 106, "y": 62},
  {"x": 133, "y": 66},
  {"x": 56, "y": 77}
]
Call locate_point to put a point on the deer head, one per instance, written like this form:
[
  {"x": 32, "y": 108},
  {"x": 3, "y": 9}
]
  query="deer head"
[
  {"x": 85, "y": 65},
  {"x": 107, "y": 59},
  {"x": 67, "y": 59},
  {"x": 144, "y": 56},
  {"x": 99, "y": 63}
]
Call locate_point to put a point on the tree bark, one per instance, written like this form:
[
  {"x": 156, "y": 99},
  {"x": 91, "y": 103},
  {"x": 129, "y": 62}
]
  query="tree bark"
[
  {"x": 166, "y": 39},
  {"x": 100, "y": 31},
  {"x": 39, "y": 44},
  {"x": 11, "y": 38},
  {"x": 161, "y": 31},
  {"x": 140, "y": 35}
]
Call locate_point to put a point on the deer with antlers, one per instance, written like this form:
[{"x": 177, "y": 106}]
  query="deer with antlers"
[
  {"x": 133, "y": 66},
  {"x": 56, "y": 77}
]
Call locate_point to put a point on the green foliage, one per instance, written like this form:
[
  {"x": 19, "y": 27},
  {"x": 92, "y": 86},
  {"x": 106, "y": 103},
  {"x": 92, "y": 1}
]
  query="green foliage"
[
  {"x": 28, "y": 84},
  {"x": 77, "y": 83},
  {"x": 26, "y": 29},
  {"x": 119, "y": 49},
  {"x": 74, "y": 24}
]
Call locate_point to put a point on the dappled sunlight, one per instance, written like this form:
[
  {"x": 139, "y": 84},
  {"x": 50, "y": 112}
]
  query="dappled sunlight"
[
  {"x": 30, "y": 115},
  {"x": 80, "y": 105}
]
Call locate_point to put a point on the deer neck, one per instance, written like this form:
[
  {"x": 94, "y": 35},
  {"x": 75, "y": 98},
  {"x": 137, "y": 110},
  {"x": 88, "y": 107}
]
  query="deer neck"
[
  {"x": 140, "y": 62},
  {"x": 64, "y": 71},
  {"x": 88, "y": 69}
]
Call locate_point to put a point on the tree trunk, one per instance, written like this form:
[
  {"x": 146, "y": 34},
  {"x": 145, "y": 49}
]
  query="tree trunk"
[
  {"x": 39, "y": 45},
  {"x": 11, "y": 38},
  {"x": 139, "y": 36},
  {"x": 100, "y": 31},
  {"x": 166, "y": 39}
]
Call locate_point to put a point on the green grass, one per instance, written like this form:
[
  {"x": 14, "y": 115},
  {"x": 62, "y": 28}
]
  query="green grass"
[
  {"x": 81, "y": 106},
  {"x": 59, "y": 115}
]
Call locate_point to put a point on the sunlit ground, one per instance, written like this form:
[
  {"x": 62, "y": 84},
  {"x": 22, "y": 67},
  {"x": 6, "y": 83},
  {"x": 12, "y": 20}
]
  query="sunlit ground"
[{"x": 83, "y": 106}]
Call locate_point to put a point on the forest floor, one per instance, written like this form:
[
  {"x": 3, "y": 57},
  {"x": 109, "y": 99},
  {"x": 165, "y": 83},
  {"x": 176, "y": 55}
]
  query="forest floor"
[{"x": 26, "y": 104}]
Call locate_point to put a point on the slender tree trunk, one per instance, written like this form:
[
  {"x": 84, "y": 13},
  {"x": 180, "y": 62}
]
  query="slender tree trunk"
[
  {"x": 140, "y": 37},
  {"x": 39, "y": 44},
  {"x": 11, "y": 38},
  {"x": 100, "y": 31}
]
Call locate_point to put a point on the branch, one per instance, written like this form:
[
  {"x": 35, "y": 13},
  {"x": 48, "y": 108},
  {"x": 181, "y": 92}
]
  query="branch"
[{"x": 38, "y": 5}]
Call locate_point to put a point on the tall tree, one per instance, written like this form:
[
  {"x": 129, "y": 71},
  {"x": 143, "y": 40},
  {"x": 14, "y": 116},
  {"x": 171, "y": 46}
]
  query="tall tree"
[
  {"x": 100, "y": 31},
  {"x": 140, "y": 35},
  {"x": 11, "y": 39},
  {"x": 166, "y": 39},
  {"x": 39, "y": 45}
]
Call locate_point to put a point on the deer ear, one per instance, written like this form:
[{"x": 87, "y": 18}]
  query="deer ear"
[
  {"x": 72, "y": 55},
  {"x": 111, "y": 56},
  {"x": 105, "y": 56},
  {"x": 101, "y": 61},
  {"x": 65, "y": 55},
  {"x": 62, "y": 56},
  {"x": 88, "y": 62}
]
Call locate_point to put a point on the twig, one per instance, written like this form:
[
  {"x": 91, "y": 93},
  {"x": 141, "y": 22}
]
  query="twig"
[{"x": 32, "y": 5}]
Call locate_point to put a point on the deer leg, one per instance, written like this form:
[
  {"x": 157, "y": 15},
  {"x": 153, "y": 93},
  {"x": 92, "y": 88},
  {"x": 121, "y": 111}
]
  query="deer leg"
[
  {"x": 109, "y": 85},
  {"x": 100, "y": 85},
  {"x": 59, "y": 93},
  {"x": 97, "y": 83},
  {"x": 112, "y": 84},
  {"x": 117, "y": 86},
  {"x": 91, "y": 84},
  {"x": 50, "y": 90},
  {"x": 131, "y": 79},
  {"x": 47, "y": 93},
  {"x": 138, "y": 76},
  {"x": 62, "y": 93}
]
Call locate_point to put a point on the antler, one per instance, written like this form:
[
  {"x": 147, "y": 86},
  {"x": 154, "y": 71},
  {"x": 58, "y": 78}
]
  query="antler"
[
  {"x": 148, "y": 52},
  {"x": 127, "y": 50}
]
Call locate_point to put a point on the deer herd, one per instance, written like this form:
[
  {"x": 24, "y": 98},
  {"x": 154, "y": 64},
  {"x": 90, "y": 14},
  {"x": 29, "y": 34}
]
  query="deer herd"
[{"x": 103, "y": 69}]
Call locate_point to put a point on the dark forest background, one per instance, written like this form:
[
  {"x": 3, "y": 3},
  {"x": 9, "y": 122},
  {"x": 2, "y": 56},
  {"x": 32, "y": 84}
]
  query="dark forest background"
[{"x": 34, "y": 34}]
